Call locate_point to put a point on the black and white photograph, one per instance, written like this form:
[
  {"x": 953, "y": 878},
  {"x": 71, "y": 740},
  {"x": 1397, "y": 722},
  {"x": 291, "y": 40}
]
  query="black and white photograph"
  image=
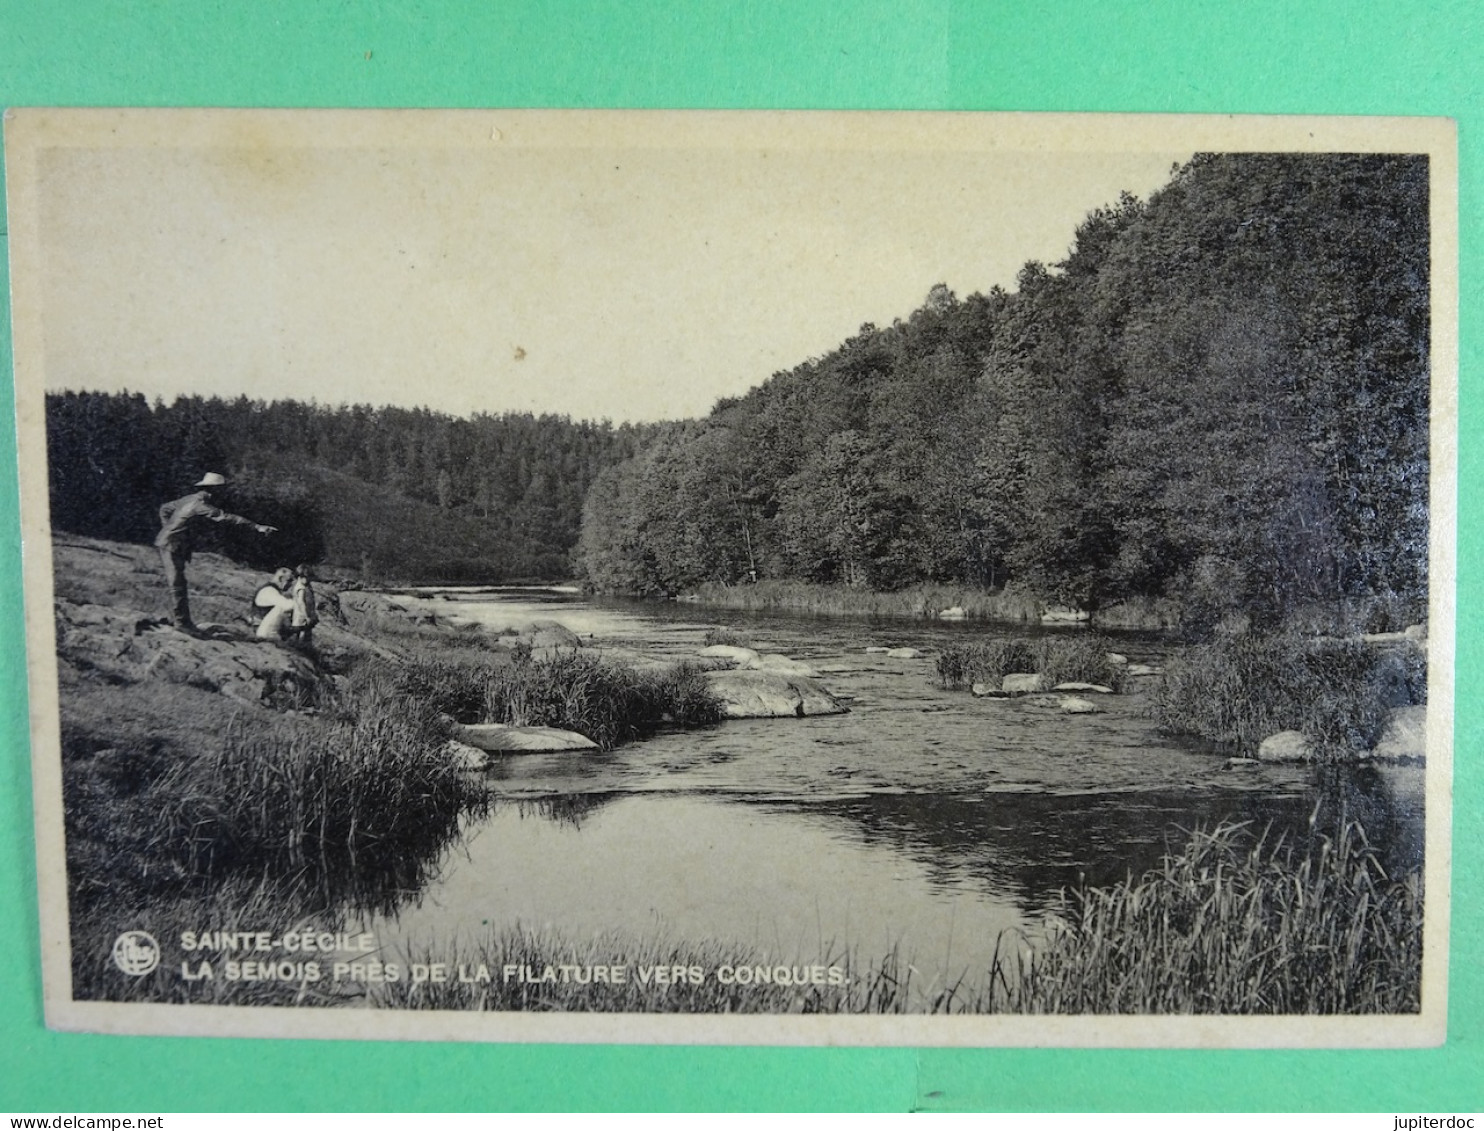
[{"x": 755, "y": 578}]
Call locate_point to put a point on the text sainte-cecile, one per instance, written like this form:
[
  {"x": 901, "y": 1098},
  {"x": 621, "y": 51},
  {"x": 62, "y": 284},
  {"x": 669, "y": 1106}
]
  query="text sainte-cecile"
[{"x": 304, "y": 941}]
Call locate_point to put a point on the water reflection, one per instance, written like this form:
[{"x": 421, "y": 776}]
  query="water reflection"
[
  {"x": 567, "y": 808},
  {"x": 795, "y": 886}
]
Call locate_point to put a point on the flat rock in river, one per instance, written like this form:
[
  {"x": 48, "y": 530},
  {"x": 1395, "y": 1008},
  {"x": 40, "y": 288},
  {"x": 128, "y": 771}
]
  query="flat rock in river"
[
  {"x": 771, "y": 695},
  {"x": 737, "y": 655},
  {"x": 1022, "y": 683},
  {"x": 777, "y": 662},
  {"x": 464, "y": 756},
  {"x": 1285, "y": 746},
  {"x": 501, "y": 739}
]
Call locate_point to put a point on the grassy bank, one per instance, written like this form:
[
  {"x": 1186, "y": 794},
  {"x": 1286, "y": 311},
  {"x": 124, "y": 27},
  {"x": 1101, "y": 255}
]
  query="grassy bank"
[
  {"x": 350, "y": 808},
  {"x": 1081, "y": 658},
  {"x": 1239, "y": 690},
  {"x": 918, "y": 601}
]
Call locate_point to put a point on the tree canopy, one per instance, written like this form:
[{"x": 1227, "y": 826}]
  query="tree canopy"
[
  {"x": 385, "y": 493},
  {"x": 1221, "y": 394}
]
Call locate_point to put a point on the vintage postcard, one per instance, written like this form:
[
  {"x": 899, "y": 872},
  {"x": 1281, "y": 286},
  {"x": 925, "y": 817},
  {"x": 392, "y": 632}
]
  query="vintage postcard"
[{"x": 949, "y": 579}]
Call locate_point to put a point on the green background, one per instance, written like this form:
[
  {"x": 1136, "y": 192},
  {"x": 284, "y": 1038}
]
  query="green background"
[{"x": 1328, "y": 57}]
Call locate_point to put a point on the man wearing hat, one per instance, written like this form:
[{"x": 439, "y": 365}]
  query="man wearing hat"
[{"x": 180, "y": 521}]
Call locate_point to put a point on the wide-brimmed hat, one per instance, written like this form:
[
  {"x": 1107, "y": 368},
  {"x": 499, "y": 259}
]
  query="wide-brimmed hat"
[{"x": 212, "y": 479}]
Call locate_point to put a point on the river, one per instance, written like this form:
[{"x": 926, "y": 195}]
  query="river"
[{"x": 923, "y": 822}]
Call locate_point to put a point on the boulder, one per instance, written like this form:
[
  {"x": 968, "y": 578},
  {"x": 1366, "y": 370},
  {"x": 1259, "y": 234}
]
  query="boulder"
[
  {"x": 464, "y": 756},
  {"x": 498, "y": 738},
  {"x": 1116, "y": 658},
  {"x": 777, "y": 662},
  {"x": 1144, "y": 670},
  {"x": 1063, "y": 615},
  {"x": 1075, "y": 686},
  {"x": 903, "y": 653},
  {"x": 1022, "y": 683},
  {"x": 742, "y": 657},
  {"x": 1384, "y": 638},
  {"x": 546, "y": 634},
  {"x": 1071, "y": 705},
  {"x": 127, "y": 648},
  {"x": 1285, "y": 746},
  {"x": 986, "y": 691},
  {"x": 771, "y": 695},
  {"x": 1405, "y": 735},
  {"x": 958, "y": 612}
]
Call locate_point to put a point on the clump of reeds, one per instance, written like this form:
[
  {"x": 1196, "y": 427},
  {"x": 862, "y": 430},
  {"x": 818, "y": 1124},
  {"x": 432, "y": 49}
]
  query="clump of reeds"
[
  {"x": 1239, "y": 690},
  {"x": 1065, "y": 658},
  {"x": 1233, "y": 924},
  {"x": 916, "y": 601},
  {"x": 983, "y": 661},
  {"x": 453, "y": 689},
  {"x": 609, "y": 703},
  {"x": 1078, "y": 658},
  {"x": 567, "y": 689},
  {"x": 348, "y": 805}
]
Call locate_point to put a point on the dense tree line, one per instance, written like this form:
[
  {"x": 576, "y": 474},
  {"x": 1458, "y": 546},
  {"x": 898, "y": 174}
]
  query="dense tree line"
[
  {"x": 1221, "y": 395},
  {"x": 388, "y": 493}
]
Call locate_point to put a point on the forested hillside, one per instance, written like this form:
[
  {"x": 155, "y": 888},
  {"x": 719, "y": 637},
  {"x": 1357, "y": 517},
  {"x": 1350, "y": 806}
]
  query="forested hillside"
[
  {"x": 1220, "y": 395},
  {"x": 386, "y": 493}
]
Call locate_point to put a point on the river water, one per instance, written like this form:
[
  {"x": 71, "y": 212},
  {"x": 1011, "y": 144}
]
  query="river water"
[{"x": 923, "y": 822}]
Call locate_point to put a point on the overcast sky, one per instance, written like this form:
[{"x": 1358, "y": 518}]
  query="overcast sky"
[{"x": 600, "y": 274}]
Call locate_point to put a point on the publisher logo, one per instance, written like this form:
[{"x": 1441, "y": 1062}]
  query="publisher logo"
[{"x": 136, "y": 953}]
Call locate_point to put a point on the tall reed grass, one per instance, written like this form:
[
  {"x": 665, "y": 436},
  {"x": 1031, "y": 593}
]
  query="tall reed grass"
[
  {"x": 355, "y": 808},
  {"x": 1238, "y": 690},
  {"x": 350, "y": 809},
  {"x": 1233, "y": 924}
]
